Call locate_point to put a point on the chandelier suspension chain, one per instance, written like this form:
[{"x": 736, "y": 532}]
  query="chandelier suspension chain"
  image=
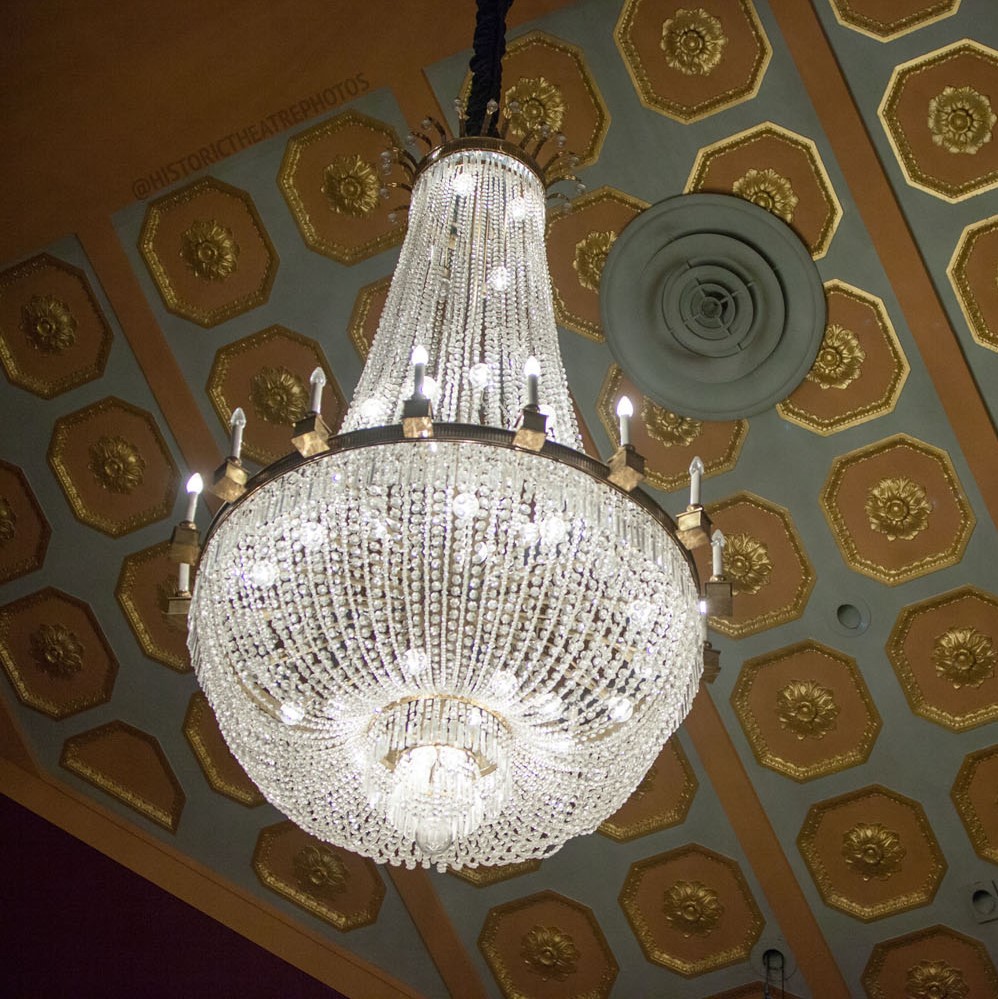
[{"x": 486, "y": 66}]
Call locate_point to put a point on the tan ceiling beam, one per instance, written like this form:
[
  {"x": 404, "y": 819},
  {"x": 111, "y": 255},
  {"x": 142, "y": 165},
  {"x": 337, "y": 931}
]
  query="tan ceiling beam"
[
  {"x": 894, "y": 242},
  {"x": 755, "y": 833},
  {"x": 438, "y": 933}
]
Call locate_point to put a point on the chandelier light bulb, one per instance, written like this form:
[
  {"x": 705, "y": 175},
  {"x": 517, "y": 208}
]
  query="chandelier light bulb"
[
  {"x": 194, "y": 486},
  {"x": 236, "y": 422},
  {"x": 696, "y": 474},
  {"x": 183, "y": 578},
  {"x": 479, "y": 376},
  {"x": 532, "y": 372},
  {"x": 717, "y": 544},
  {"x": 318, "y": 381},
  {"x": 463, "y": 184},
  {"x": 419, "y": 361},
  {"x": 625, "y": 410}
]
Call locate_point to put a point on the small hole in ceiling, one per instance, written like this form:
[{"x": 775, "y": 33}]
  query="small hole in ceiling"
[
  {"x": 852, "y": 618},
  {"x": 984, "y": 902},
  {"x": 849, "y": 616}
]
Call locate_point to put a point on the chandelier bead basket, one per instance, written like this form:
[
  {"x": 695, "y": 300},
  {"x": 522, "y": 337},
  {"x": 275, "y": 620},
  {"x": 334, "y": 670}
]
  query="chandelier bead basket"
[{"x": 450, "y": 649}]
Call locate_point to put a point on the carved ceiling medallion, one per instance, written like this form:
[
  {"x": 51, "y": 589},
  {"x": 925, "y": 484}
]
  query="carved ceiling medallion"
[
  {"x": 747, "y": 563},
  {"x": 279, "y": 395},
  {"x": 964, "y": 657},
  {"x": 898, "y": 507},
  {"x": 534, "y": 104},
  {"x": 209, "y": 249},
  {"x": 351, "y": 186},
  {"x": 767, "y": 189},
  {"x": 935, "y": 980},
  {"x": 961, "y": 119},
  {"x": 48, "y": 324},
  {"x": 116, "y": 464},
  {"x": 550, "y": 953},
  {"x": 807, "y": 709},
  {"x": 8, "y": 521},
  {"x": 692, "y": 908},
  {"x": 318, "y": 870},
  {"x": 590, "y": 256},
  {"x": 872, "y": 851},
  {"x": 693, "y": 42},
  {"x": 57, "y": 650},
  {"x": 839, "y": 359},
  {"x": 669, "y": 428}
]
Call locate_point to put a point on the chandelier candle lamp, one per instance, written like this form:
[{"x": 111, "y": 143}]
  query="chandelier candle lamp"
[{"x": 447, "y": 636}]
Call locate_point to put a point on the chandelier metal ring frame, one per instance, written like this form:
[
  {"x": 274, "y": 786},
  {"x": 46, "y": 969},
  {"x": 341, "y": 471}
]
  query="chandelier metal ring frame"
[{"x": 454, "y": 650}]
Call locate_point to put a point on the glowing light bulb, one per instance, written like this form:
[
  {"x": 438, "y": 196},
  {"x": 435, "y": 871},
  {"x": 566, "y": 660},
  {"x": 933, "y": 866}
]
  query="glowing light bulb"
[
  {"x": 625, "y": 410},
  {"x": 318, "y": 381},
  {"x": 532, "y": 372},
  {"x": 696, "y": 473},
  {"x": 236, "y": 422},
  {"x": 463, "y": 184},
  {"x": 194, "y": 487}
]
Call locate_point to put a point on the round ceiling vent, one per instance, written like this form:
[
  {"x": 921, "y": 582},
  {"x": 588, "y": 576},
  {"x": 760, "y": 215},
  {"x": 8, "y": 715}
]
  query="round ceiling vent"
[{"x": 712, "y": 306}]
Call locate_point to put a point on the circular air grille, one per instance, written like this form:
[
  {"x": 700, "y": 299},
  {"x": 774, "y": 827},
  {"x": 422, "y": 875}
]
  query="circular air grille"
[{"x": 712, "y": 306}]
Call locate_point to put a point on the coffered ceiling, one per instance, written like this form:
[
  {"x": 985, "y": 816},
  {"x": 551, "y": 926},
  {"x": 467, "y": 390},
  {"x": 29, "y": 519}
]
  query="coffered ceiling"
[{"x": 193, "y": 223}]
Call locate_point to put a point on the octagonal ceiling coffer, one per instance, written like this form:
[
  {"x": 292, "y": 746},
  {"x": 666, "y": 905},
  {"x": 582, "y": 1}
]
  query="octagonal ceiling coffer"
[{"x": 712, "y": 306}]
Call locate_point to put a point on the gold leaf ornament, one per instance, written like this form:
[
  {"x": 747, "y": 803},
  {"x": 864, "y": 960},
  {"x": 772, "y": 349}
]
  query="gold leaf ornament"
[
  {"x": 807, "y": 709},
  {"x": 872, "y": 851},
  {"x": 534, "y": 104},
  {"x": 116, "y": 464},
  {"x": 898, "y": 508},
  {"x": 319, "y": 871},
  {"x": 767, "y": 189},
  {"x": 667, "y": 427},
  {"x": 48, "y": 325},
  {"x": 549, "y": 952},
  {"x": 693, "y": 42},
  {"x": 351, "y": 186},
  {"x": 839, "y": 359},
  {"x": 935, "y": 980},
  {"x": 8, "y": 521},
  {"x": 209, "y": 250},
  {"x": 961, "y": 119},
  {"x": 747, "y": 563},
  {"x": 964, "y": 656},
  {"x": 692, "y": 908},
  {"x": 279, "y": 396},
  {"x": 590, "y": 258},
  {"x": 56, "y": 650}
]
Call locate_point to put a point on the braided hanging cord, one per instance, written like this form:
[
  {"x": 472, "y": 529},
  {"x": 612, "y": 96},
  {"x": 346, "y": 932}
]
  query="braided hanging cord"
[{"x": 486, "y": 66}]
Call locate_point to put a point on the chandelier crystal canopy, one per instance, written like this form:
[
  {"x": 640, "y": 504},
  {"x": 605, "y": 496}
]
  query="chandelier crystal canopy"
[{"x": 450, "y": 650}]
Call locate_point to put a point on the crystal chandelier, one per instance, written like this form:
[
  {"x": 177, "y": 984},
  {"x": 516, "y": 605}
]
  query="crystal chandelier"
[{"x": 448, "y": 636}]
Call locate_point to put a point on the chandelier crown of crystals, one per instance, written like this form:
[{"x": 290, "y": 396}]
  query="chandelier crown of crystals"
[{"x": 448, "y": 636}]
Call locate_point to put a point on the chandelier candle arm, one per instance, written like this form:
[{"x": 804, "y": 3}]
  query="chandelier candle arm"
[
  {"x": 318, "y": 382},
  {"x": 237, "y": 422},
  {"x": 717, "y": 543},
  {"x": 195, "y": 485},
  {"x": 532, "y": 372},
  {"x": 625, "y": 410},
  {"x": 420, "y": 358},
  {"x": 696, "y": 475}
]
